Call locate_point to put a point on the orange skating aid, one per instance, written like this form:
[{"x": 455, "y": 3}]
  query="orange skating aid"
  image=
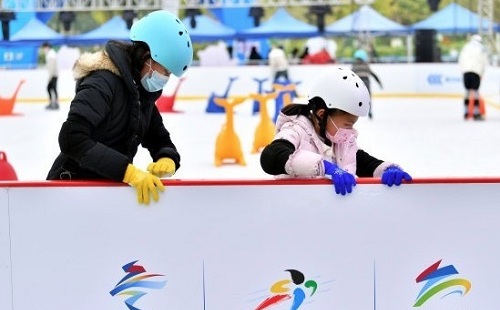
[
  {"x": 228, "y": 145},
  {"x": 7, "y": 104},
  {"x": 265, "y": 130}
]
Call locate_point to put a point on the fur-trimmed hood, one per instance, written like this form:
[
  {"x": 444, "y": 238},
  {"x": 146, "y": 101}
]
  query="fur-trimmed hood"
[
  {"x": 114, "y": 58},
  {"x": 89, "y": 62}
]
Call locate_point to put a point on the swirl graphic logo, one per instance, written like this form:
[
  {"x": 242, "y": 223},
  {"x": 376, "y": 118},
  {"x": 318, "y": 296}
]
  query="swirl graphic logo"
[
  {"x": 136, "y": 277},
  {"x": 287, "y": 289},
  {"x": 438, "y": 280}
]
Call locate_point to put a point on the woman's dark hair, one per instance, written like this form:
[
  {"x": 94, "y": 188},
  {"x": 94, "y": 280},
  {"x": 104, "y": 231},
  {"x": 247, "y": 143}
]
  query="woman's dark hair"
[
  {"x": 313, "y": 105},
  {"x": 296, "y": 109},
  {"x": 138, "y": 52}
]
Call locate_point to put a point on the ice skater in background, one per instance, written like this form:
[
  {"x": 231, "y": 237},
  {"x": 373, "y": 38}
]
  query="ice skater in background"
[
  {"x": 278, "y": 63},
  {"x": 473, "y": 60},
  {"x": 319, "y": 140},
  {"x": 362, "y": 68},
  {"x": 114, "y": 111},
  {"x": 53, "y": 71}
]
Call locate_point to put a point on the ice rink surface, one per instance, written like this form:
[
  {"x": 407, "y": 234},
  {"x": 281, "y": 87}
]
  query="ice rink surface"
[{"x": 428, "y": 137}]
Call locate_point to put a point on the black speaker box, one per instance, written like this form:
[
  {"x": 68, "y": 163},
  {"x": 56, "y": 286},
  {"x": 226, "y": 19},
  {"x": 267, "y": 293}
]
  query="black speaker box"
[{"x": 426, "y": 49}]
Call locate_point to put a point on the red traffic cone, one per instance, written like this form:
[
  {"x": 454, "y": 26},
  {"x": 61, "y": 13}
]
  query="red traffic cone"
[{"x": 7, "y": 172}]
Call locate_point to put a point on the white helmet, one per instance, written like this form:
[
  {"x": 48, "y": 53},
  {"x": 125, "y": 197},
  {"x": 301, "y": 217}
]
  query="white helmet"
[
  {"x": 342, "y": 89},
  {"x": 477, "y": 38}
]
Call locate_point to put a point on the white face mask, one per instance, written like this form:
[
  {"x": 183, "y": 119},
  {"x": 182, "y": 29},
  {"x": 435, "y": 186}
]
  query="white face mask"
[
  {"x": 342, "y": 135},
  {"x": 153, "y": 81}
]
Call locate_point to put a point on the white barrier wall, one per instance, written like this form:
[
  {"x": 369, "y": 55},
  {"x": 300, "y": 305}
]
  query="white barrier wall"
[
  {"x": 201, "y": 82},
  {"x": 251, "y": 245},
  {"x": 5, "y": 266}
]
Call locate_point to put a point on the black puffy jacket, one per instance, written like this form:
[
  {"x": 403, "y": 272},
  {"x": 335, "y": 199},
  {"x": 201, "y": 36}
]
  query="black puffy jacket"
[{"x": 109, "y": 117}]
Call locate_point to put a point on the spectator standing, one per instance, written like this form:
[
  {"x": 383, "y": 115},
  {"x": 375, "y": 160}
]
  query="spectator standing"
[
  {"x": 254, "y": 57},
  {"x": 362, "y": 68},
  {"x": 304, "y": 54},
  {"x": 53, "y": 72},
  {"x": 472, "y": 61}
]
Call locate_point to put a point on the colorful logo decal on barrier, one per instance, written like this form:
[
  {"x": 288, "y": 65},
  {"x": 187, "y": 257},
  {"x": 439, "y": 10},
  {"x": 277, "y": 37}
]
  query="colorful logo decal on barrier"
[
  {"x": 439, "y": 279},
  {"x": 281, "y": 291},
  {"x": 135, "y": 278}
]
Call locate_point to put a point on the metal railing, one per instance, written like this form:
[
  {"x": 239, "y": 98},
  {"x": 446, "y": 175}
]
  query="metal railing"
[
  {"x": 80, "y": 5},
  {"x": 116, "y": 5}
]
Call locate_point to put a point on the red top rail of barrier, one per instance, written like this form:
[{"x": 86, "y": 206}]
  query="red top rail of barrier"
[{"x": 238, "y": 182}]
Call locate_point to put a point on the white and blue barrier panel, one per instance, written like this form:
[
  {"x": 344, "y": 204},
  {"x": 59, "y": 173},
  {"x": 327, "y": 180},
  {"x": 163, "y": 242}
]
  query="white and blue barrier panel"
[{"x": 251, "y": 245}]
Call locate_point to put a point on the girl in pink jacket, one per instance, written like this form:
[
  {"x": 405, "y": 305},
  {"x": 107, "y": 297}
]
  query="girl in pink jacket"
[{"x": 319, "y": 139}]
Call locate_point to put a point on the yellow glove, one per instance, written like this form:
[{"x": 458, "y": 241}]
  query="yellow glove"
[
  {"x": 164, "y": 167},
  {"x": 144, "y": 183}
]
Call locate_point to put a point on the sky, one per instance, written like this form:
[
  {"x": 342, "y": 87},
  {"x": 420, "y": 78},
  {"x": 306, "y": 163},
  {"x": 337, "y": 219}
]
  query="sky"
[{"x": 428, "y": 137}]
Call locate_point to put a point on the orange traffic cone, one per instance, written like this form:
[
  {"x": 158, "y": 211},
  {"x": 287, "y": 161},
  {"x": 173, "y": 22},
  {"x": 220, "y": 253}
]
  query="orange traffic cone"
[{"x": 7, "y": 172}]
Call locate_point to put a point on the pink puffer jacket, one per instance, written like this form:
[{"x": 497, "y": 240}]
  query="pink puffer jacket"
[{"x": 310, "y": 150}]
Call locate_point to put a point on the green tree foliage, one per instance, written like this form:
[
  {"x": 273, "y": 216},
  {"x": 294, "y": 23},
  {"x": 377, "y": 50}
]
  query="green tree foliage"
[{"x": 405, "y": 12}]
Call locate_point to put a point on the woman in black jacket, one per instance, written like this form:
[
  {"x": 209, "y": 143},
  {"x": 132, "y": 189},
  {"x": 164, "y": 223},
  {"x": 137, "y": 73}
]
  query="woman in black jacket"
[{"x": 114, "y": 111}]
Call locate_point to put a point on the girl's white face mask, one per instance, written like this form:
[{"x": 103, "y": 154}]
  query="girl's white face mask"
[
  {"x": 153, "y": 81},
  {"x": 343, "y": 135}
]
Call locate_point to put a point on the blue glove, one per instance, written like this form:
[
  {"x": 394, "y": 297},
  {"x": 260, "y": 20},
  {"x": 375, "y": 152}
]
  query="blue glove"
[
  {"x": 342, "y": 180},
  {"x": 394, "y": 175}
]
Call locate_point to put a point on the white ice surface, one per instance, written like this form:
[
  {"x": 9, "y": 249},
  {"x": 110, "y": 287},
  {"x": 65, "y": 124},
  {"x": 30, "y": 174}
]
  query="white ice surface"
[{"x": 428, "y": 137}]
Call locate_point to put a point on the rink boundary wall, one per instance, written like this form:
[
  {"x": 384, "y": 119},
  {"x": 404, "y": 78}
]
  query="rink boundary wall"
[
  {"x": 437, "y": 79},
  {"x": 232, "y": 182},
  {"x": 67, "y": 244}
]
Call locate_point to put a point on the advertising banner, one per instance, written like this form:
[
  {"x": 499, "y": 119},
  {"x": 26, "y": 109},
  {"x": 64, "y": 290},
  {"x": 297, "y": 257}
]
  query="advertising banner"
[
  {"x": 263, "y": 246},
  {"x": 437, "y": 79},
  {"x": 18, "y": 56}
]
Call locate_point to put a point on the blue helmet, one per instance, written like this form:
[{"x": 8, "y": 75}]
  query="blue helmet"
[
  {"x": 361, "y": 54},
  {"x": 167, "y": 39}
]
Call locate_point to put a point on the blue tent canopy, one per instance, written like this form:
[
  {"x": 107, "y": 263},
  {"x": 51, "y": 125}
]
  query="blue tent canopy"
[
  {"x": 113, "y": 29},
  {"x": 35, "y": 31},
  {"x": 280, "y": 25},
  {"x": 365, "y": 20},
  {"x": 452, "y": 19},
  {"x": 208, "y": 29}
]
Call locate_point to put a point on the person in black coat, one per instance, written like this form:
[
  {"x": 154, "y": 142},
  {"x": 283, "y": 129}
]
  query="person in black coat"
[{"x": 114, "y": 111}]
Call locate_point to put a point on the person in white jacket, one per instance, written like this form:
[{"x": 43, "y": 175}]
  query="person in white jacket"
[
  {"x": 473, "y": 60},
  {"x": 278, "y": 62}
]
